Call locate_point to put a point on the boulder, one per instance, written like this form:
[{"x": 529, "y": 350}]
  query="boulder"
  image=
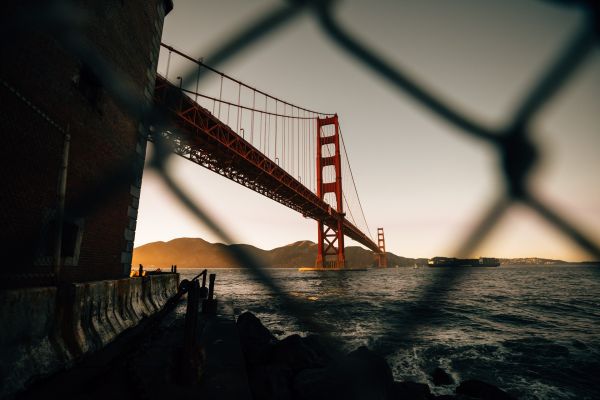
[
  {"x": 326, "y": 354},
  {"x": 293, "y": 353},
  {"x": 410, "y": 391},
  {"x": 476, "y": 389},
  {"x": 372, "y": 366},
  {"x": 362, "y": 374},
  {"x": 439, "y": 377},
  {"x": 270, "y": 382},
  {"x": 257, "y": 342}
]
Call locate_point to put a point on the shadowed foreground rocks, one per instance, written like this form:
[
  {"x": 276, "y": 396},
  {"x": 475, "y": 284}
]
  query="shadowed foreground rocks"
[
  {"x": 361, "y": 374},
  {"x": 305, "y": 368},
  {"x": 439, "y": 377},
  {"x": 473, "y": 388}
]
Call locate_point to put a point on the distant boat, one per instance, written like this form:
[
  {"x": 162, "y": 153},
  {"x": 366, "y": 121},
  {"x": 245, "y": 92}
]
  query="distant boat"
[{"x": 460, "y": 262}]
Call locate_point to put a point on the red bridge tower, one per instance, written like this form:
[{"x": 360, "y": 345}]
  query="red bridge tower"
[
  {"x": 330, "y": 252},
  {"x": 381, "y": 256}
]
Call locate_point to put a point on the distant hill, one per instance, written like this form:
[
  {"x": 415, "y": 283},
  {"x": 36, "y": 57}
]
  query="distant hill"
[{"x": 196, "y": 252}]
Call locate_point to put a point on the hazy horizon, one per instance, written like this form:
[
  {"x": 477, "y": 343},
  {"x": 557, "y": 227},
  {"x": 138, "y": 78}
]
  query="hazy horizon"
[{"x": 353, "y": 245}]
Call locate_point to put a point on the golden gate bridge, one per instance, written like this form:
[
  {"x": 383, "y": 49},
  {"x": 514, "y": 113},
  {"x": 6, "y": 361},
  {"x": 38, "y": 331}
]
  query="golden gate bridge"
[{"x": 288, "y": 153}]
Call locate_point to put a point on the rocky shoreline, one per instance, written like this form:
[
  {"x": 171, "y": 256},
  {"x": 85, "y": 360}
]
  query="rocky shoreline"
[{"x": 303, "y": 368}]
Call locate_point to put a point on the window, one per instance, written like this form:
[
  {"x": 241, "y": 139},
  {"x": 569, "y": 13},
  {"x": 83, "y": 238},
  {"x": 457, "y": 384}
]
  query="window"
[
  {"x": 89, "y": 85},
  {"x": 72, "y": 235}
]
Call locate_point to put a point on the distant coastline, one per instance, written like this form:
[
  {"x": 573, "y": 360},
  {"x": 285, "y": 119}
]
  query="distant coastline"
[
  {"x": 196, "y": 252},
  {"x": 544, "y": 261}
]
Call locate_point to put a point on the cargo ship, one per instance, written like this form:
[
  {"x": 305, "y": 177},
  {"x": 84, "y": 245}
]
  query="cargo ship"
[{"x": 463, "y": 262}]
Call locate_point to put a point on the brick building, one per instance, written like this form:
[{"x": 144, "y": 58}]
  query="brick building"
[{"x": 50, "y": 91}]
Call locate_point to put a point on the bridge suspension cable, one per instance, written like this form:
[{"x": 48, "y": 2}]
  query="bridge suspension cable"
[
  {"x": 349, "y": 192},
  {"x": 171, "y": 50},
  {"x": 346, "y": 160}
]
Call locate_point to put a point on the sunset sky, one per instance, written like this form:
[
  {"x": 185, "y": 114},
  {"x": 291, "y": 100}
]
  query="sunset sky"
[{"x": 418, "y": 177}]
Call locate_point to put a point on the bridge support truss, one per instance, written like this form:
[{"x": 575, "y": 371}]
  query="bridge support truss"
[
  {"x": 381, "y": 256},
  {"x": 330, "y": 253}
]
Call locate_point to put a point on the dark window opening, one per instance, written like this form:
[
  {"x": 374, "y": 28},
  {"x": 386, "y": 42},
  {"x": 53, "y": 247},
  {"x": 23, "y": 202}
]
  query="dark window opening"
[
  {"x": 69, "y": 239},
  {"x": 89, "y": 85},
  {"x": 72, "y": 235}
]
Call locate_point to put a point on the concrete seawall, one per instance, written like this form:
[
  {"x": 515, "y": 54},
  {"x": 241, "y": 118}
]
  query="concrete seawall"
[{"x": 47, "y": 329}]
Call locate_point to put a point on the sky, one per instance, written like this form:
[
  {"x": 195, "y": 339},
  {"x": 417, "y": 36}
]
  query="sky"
[{"x": 418, "y": 177}]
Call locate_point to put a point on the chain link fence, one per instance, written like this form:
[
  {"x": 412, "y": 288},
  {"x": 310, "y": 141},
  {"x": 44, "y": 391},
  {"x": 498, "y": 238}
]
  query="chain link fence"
[{"x": 512, "y": 142}]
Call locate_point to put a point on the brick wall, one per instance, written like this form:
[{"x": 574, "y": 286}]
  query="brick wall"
[{"x": 46, "y": 91}]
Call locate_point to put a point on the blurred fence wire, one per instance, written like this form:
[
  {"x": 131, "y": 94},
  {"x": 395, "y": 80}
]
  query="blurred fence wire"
[{"x": 519, "y": 154}]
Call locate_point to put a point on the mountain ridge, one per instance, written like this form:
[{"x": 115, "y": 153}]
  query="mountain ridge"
[
  {"x": 197, "y": 252},
  {"x": 188, "y": 252}
]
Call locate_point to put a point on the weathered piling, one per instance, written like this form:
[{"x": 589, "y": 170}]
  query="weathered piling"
[
  {"x": 190, "y": 353},
  {"x": 209, "y": 305}
]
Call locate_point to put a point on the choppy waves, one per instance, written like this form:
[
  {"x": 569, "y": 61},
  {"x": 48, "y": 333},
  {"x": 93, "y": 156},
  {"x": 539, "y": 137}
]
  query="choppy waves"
[{"x": 530, "y": 330}]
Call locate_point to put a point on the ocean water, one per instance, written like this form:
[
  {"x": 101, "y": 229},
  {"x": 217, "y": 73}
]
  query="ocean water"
[{"x": 531, "y": 330}]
